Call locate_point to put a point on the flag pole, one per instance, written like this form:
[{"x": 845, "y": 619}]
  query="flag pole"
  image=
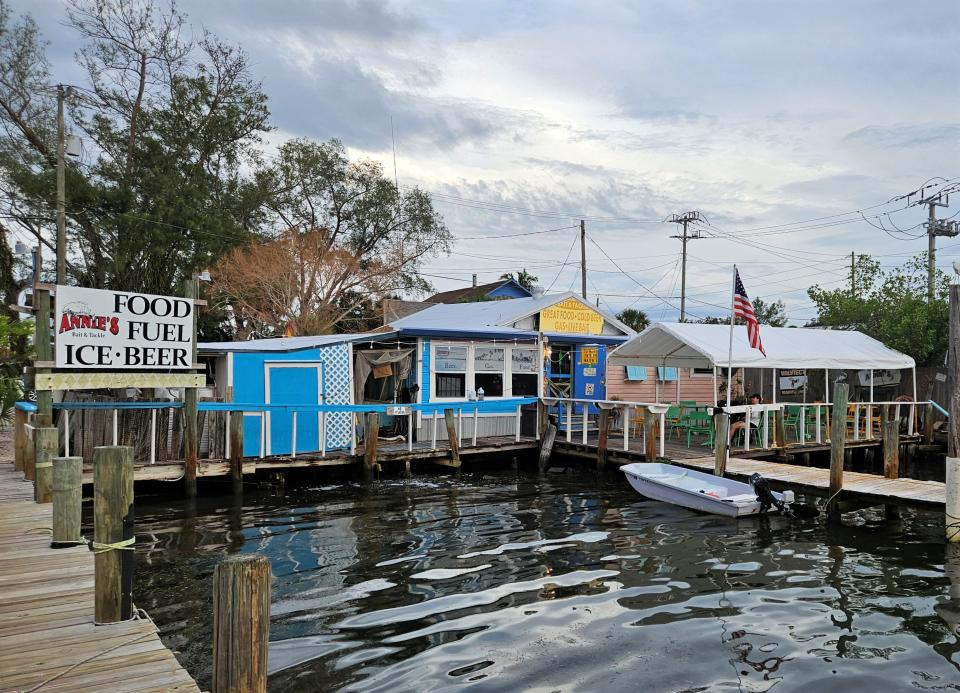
[{"x": 733, "y": 294}]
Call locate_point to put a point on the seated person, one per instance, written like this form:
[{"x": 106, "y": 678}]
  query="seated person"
[{"x": 741, "y": 423}]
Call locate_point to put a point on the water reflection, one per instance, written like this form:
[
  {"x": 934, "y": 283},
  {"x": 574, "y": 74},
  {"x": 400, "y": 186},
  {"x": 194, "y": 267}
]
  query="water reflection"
[{"x": 507, "y": 583}]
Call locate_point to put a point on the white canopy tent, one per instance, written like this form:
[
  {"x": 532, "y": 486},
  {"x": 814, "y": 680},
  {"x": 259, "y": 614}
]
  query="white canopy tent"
[{"x": 688, "y": 345}]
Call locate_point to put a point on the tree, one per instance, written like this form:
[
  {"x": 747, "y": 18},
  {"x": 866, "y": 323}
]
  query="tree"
[
  {"x": 349, "y": 239},
  {"x": 634, "y": 319},
  {"x": 523, "y": 278},
  {"x": 13, "y": 359},
  {"x": 773, "y": 314},
  {"x": 169, "y": 125},
  {"x": 891, "y": 307}
]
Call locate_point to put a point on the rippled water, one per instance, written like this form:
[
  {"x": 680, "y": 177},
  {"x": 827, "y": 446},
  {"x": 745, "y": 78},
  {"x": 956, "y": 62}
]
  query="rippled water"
[{"x": 560, "y": 583}]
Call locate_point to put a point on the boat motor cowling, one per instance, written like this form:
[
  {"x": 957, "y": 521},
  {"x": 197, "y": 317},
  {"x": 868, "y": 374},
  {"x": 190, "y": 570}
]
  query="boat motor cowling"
[{"x": 767, "y": 499}]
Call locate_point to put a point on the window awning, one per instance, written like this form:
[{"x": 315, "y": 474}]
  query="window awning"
[{"x": 689, "y": 345}]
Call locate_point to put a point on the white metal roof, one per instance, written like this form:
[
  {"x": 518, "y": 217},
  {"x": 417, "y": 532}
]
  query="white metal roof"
[
  {"x": 689, "y": 345},
  {"x": 483, "y": 315},
  {"x": 291, "y": 343}
]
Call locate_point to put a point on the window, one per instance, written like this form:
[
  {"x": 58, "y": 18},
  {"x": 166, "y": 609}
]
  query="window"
[
  {"x": 524, "y": 379},
  {"x": 488, "y": 363},
  {"x": 451, "y": 371},
  {"x": 701, "y": 372},
  {"x": 636, "y": 372}
]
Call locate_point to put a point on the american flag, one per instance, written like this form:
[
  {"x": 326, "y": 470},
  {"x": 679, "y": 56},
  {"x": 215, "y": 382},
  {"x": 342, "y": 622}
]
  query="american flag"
[{"x": 742, "y": 308}]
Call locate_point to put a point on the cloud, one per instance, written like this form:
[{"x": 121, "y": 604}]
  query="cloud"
[{"x": 902, "y": 136}]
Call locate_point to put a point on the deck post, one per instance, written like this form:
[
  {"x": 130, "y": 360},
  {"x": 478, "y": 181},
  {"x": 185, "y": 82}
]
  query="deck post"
[
  {"x": 837, "y": 445},
  {"x": 67, "y": 496},
  {"x": 113, "y": 533},
  {"x": 452, "y": 437},
  {"x": 241, "y": 624},
  {"x": 586, "y": 423},
  {"x": 519, "y": 414},
  {"x": 293, "y": 434},
  {"x": 649, "y": 436},
  {"x": 19, "y": 438},
  {"x": 626, "y": 427},
  {"x": 928, "y": 424},
  {"x": 953, "y": 422},
  {"x": 569, "y": 421},
  {"x": 780, "y": 431},
  {"x": 542, "y": 419},
  {"x": 236, "y": 451},
  {"x": 47, "y": 441},
  {"x": 890, "y": 431},
  {"x": 476, "y": 423},
  {"x": 721, "y": 425},
  {"x": 370, "y": 437},
  {"x": 603, "y": 422}
]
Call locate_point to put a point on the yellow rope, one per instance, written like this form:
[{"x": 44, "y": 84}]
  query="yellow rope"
[{"x": 125, "y": 544}]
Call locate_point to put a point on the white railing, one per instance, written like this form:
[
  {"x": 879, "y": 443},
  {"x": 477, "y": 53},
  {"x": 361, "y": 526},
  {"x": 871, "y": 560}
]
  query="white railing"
[
  {"x": 860, "y": 418},
  {"x": 567, "y": 405}
]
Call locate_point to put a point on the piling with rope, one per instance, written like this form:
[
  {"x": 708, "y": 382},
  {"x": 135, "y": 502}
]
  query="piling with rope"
[
  {"x": 838, "y": 434},
  {"x": 113, "y": 533}
]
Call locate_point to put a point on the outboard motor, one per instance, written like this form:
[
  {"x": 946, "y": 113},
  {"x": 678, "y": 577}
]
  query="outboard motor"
[{"x": 761, "y": 487}]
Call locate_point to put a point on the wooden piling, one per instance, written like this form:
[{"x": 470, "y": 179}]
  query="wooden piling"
[
  {"x": 890, "y": 432},
  {"x": 43, "y": 352},
  {"x": 452, "y": 437},
  {"x": 721, "y": 436},
  {"x": 370, "y": 438},
  {"x": 952, "y": 508},
  {"x": 928, "y": 424},
  {"x": 190, "y": 442},
  {"x": 603, "y": 421},
  {"x": 780, "y": 431},
  {"x": 236, "y": 450},
  {"x": 650, "y": 436},
  {"x": 46, "y": 449},
  {"x": 19, "y": 438},
  {"x": 67, "y": 497},
  {"x": 113, "y": 533},
  {"x": 241, "y": 624},
  {"x": 546, "y": 446},
  {"x": 542, "y": 419},
  {"x": 838, "y": 435}
]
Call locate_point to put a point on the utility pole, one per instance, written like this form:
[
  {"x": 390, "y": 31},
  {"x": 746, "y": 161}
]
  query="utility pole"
[
  {"x": 684, "y": 219},
  {"x": 853, "y": 275},
  {"x": 583, "y": 259},
  {"x": 936, "y": 228},
  {"x": 61, "y": 191}
]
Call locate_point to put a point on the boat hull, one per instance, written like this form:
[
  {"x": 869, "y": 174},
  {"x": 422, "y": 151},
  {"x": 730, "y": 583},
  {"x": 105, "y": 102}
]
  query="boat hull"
[{"x": 695, "y": 490}]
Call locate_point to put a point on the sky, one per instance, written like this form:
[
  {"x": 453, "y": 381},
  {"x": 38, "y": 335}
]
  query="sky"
[{"x": 776, "y": 121}]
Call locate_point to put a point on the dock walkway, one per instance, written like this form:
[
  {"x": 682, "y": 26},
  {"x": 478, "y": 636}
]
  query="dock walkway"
[
  {"x": 856, "y": 486},
  {"x": 48, "y": 640}
]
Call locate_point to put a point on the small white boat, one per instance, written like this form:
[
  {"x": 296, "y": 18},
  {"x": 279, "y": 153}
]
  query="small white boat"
[{"x": 696, "y": 490}]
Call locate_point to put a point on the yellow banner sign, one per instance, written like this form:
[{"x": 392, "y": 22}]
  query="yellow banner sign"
[
  {"x": 589, "y": 356},
  {"x": 571, "y": 317}
]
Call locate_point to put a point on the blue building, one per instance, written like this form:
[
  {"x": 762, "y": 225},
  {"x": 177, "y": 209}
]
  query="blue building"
[{"x": 495, "y": 349}]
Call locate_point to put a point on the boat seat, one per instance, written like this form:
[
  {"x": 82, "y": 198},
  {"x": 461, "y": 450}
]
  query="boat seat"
[{"x": 741, "y": 498}]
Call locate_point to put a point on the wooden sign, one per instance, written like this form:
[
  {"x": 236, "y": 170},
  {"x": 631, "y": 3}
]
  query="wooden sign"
[
  {"x": 571, "y": 317},
  {"x": 96, "y": 381}
]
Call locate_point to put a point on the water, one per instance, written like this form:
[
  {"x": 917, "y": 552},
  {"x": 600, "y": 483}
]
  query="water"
[{"x": 566, "y": 583}]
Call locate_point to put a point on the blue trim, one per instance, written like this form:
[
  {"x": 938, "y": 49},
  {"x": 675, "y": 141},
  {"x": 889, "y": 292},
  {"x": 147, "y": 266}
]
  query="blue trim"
[{"x": 425, "y": 384}]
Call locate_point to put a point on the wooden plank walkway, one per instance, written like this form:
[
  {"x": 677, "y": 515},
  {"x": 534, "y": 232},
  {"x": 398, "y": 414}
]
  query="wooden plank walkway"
[
  {"x": 388, "y": 453},
  {"x": 856, "y": 486},
  {"x": 48, "y": 641}
]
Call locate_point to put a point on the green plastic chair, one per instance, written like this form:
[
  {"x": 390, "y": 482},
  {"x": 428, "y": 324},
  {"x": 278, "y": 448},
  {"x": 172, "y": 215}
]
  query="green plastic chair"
[
  {"x": 675, "y": 418},
  {"x": 700, "y": 422}
]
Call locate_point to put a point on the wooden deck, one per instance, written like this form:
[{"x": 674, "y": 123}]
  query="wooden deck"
[
  {"x": 856, "y": 486},
  {"x": 387, "y": 453},
  {"x": 48, "y": 641}
]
